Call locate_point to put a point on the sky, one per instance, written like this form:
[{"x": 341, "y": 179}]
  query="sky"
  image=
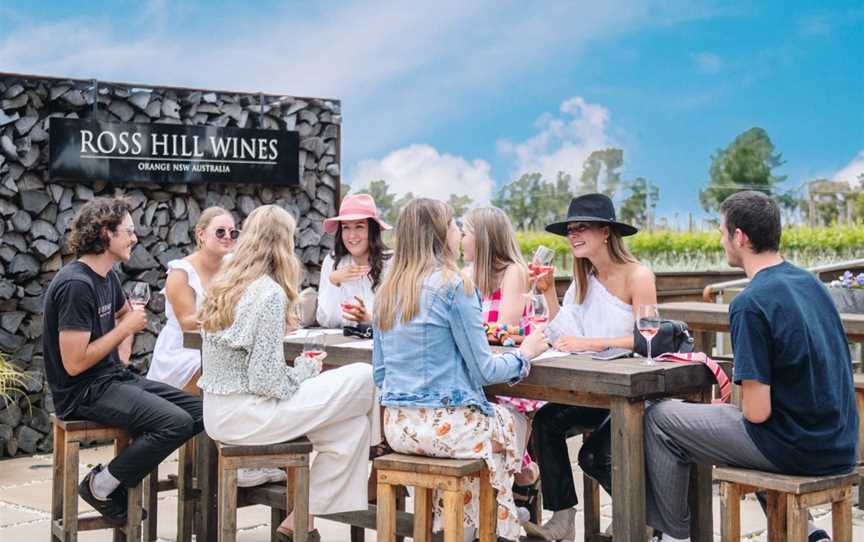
[{"x": 462, "y": 97}]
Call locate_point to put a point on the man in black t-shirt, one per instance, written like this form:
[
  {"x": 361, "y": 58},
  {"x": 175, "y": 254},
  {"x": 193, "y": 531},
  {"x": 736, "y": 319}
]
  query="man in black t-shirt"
[
  {"x": 86, "y": 318},
  {"x": 793, "y": 363}
]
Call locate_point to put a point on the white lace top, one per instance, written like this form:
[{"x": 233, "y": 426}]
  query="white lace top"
[
  {"x": 248, "y": 357},
  {"x": 600, "y": 315},
  {"x": 171, "y": 363}
]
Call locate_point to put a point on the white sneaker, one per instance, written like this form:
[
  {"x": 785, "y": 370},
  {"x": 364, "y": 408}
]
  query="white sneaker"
[{"x": 251, "y": 477}]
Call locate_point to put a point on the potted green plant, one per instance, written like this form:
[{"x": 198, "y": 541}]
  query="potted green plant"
[
  {"x": 12, "y": 382},
  {"x": 848, "y": 292}
]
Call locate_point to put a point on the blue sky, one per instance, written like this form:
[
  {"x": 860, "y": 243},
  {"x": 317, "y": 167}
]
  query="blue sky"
[{"x": 463, "y": 96}]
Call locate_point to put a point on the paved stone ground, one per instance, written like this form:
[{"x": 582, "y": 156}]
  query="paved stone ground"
[{"x": 25, "y": 500}]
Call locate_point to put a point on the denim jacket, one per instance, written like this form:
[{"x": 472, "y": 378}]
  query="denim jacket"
[{"x": 442, "y": 357}]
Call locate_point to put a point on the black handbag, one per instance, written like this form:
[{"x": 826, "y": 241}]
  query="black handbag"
[{"x": 673, "y": 336}]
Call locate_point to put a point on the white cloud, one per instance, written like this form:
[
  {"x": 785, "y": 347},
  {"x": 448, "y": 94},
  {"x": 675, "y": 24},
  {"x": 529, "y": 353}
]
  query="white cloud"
[
  {"x": 423, "y": 171},
  {"x": 708, "y": 62},
  {"x": 401, "y": 68},
  {"x": 562, "y": 142},
  {"x": 852, "y": 172}
]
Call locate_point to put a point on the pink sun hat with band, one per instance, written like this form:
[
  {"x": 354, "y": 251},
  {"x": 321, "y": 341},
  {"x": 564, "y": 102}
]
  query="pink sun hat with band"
[{"x": 356, "y": 207}]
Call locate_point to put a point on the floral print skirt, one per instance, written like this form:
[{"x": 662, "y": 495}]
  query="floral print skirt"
[{"x": 465, "y": 433}]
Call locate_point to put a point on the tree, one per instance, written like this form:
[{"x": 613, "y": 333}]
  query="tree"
[
  {"x": 607, "y": 161},
  {"x": 531, "y": 202},
  {"x": 459, "y": 204},
  {"x": 388, "y": 210},
  {"x": 746, "y": 164},
  {"x": 643, "y": 197}
]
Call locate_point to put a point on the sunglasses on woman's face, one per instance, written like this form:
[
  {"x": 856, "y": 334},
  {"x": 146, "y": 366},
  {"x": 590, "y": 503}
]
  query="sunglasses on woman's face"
[
  {"x": 232, "y": 233},
  {"x": 579, "y": 227}
]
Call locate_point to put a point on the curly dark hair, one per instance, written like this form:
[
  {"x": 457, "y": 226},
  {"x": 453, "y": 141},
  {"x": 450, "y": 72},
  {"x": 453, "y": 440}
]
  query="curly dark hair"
[
  {"x": 85, "y": 236},
  {"x": 377, "y": 252}
]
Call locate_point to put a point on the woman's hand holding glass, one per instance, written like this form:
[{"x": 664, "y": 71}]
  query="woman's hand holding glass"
[{"x": 354, "y": 310}]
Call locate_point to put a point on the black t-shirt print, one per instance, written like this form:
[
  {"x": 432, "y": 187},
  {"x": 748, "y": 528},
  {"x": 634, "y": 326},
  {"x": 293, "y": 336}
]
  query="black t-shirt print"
[{"x": 79, "y": 299}]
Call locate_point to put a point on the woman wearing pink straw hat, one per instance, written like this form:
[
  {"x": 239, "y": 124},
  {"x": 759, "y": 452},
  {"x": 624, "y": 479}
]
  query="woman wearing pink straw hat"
[{"x": 352, "y": 272}]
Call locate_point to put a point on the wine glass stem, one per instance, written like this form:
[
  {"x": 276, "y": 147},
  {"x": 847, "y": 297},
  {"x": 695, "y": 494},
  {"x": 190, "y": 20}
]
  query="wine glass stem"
[{"x": 650, "y": 359}]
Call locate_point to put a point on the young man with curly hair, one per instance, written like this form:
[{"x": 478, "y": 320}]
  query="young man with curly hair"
[{"x": 86, "y": 318}]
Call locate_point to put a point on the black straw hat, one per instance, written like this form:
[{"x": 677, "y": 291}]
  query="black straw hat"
[{"x": 591, "y": 208}]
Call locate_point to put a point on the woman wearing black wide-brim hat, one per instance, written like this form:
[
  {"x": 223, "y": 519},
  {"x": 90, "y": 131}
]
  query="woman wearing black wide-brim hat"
[{"x": 598, "y": 312}]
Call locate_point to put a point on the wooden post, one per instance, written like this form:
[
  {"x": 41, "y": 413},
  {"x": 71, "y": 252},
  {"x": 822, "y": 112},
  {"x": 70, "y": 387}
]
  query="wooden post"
[
  {"x": 841, "y": 518},
  {"x": 70, "y": 491},
  {"x": 591, "y": 496},
  {"x": 776, "y": 517},
  {"x": 730, "y": 512},
  {"x": 386, "y": 520},
  {"x": 301, "y": 502},
  {"x": 796, "y": 519},
  {"x": 422, "y": 514},
  {"x": 57, "y": 481},
  {"x": 701, "y": 516},
  {"x": 228, "y": 503},
  {"x": 151, "y": 498},
  {"x": 488, "y": 509},
  {"x": 628, "y": 470},
  {"x": 454, "y": 516}
]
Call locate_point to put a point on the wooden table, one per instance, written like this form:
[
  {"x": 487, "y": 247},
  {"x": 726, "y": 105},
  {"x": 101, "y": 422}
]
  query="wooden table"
[
  {"x": 705, "y": 318},
  {"x": 621, "y": 386}
]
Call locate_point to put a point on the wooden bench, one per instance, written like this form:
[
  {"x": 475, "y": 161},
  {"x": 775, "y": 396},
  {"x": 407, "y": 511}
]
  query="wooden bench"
[
  {"x": 292, "y": 455},
  {"x": 426, "y": 474},
  {"x": 789, "y": 497},
  {"x": 65, "y": 523}
]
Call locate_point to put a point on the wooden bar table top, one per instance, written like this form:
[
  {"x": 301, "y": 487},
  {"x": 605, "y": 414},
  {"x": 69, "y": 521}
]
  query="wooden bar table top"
[
  {"x": 620, "y": 385},
  {"x": 715, "y": 317}
]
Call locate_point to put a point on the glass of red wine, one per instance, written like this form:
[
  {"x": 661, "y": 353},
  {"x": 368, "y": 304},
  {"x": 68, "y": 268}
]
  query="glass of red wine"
[
  {"x": 648, "y": 324},
  {"x": 315, "y": 346}
]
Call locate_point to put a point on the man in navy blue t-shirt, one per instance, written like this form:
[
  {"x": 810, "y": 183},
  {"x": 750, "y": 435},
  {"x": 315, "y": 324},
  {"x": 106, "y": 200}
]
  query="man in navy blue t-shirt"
[{"x": 793, "y": 364}]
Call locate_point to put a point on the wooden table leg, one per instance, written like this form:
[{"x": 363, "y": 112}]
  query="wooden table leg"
[
  {"x": 208, "y": 473},
  {"x": 702, "y": 518},
  {"x": 628, "y": 470}
]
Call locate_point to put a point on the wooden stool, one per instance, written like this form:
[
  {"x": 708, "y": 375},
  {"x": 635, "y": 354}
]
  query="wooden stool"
[
  {"x": 789, "y": 497},
  {"x": 65, "y": 524},
  {"x": 292, "y": 455},
  {"x": 426, "y": 474}
]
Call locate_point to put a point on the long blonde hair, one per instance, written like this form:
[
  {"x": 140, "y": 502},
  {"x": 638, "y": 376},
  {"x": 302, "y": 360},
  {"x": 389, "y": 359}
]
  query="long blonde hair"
[
  {"x": 204, "y": 221},
  {"x": 266, "y": 247},
  {"x": 495, "y": 247},
  {"x": 583, "y": 268},
  {"x": 421, "y": 248}
]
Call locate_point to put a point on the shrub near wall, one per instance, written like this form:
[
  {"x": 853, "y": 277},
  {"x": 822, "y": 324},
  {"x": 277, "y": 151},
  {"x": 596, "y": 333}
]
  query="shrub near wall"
[{"x": 35, "y": 210}]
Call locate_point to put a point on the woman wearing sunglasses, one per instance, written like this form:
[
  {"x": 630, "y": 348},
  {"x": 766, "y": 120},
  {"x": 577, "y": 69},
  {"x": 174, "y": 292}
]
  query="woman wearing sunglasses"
[{"x": 597, "y": 313}]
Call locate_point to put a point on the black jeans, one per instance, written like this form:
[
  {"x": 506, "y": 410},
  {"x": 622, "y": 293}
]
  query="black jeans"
[
  {"x": 553, "y": 424},
  {"x": 158, "y": 417}
]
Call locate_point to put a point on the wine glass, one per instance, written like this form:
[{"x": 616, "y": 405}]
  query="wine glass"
[
  {"x": 315, "y": 346},
  {"x": 648, "y": 323},
  {"x": 538, "y": 309},
  {"x": 541, "y": 262},
  {"x": 139, "y": 294}
]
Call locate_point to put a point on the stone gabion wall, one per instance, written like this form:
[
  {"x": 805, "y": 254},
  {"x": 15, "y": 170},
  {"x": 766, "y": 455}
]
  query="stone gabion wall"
[{"x": 35, "y": 210}]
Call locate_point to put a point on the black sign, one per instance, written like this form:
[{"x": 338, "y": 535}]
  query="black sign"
[{"x": 170, "y": 153}]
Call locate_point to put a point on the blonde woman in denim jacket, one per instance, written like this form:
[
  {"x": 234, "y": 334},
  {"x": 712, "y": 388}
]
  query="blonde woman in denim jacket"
[{"x": 431, "y": 361}]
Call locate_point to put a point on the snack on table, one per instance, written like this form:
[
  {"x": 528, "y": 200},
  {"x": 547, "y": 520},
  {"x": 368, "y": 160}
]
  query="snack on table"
[{"x": 503, "y": 334}]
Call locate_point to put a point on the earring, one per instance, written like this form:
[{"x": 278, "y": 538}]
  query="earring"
[{"x": 606, "y": 241}]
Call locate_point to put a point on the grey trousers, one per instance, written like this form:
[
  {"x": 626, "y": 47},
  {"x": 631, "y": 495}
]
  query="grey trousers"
[{"x": 678, "y": 435}]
